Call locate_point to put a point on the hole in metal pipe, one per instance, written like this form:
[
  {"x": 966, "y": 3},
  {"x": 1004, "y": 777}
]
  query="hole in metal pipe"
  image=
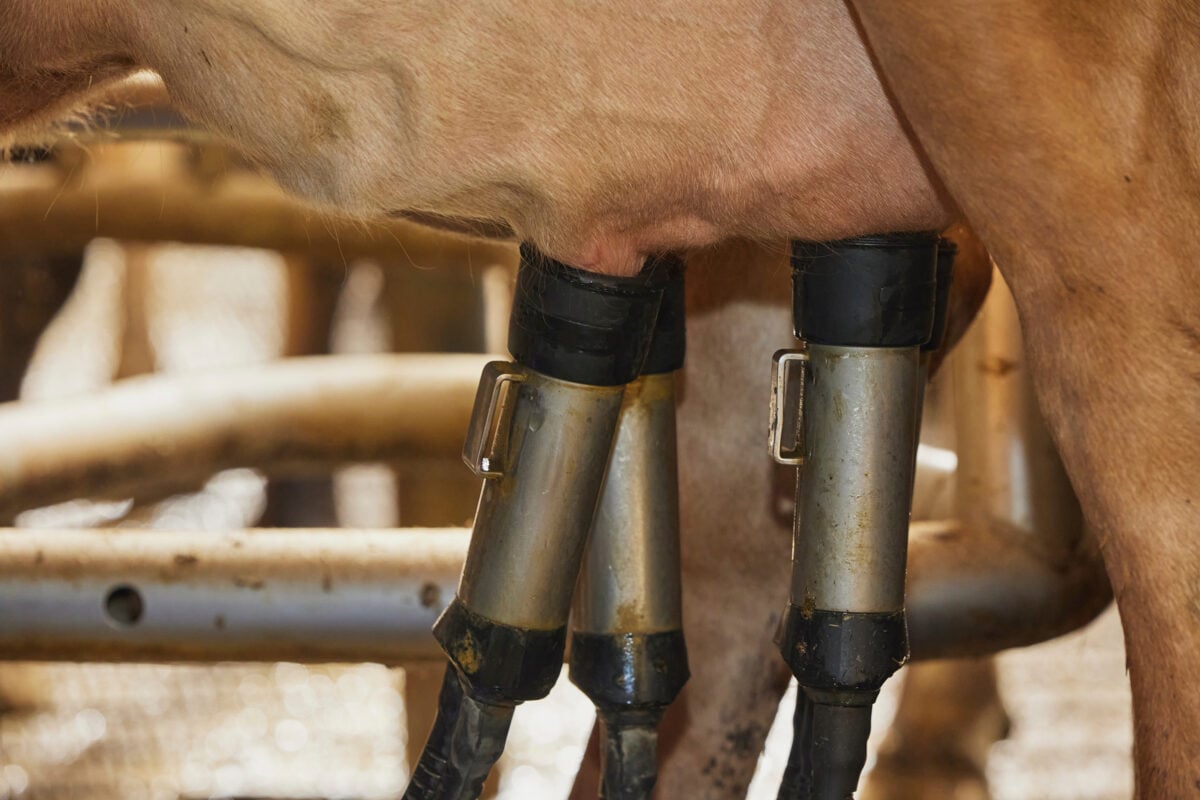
[{"x": 124, "y": 606}]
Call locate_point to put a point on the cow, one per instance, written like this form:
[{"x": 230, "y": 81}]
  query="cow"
[{"x": 1064, "y": 130}]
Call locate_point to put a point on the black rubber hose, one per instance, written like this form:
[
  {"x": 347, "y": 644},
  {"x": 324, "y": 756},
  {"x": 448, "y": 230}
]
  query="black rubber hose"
[
  {"x": 797, "y": 775},
  {"x": 839, "y": 746},
  {"x": 466, "y": 741},
  {"x": 629, "y": 758},
  {"x": 829, "y": 750}
]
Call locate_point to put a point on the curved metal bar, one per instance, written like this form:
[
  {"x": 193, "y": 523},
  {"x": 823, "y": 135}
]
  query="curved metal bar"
[
  {"x": 1016, "y": 566},
  {"x": 170, "y": 432}
]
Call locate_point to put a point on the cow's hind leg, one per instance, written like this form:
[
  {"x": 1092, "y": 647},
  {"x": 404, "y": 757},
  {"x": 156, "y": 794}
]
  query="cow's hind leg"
[{"x": 1079, "y": 170}]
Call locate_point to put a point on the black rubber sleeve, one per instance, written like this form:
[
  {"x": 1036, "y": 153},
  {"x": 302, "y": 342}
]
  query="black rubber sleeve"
[
  {"x": 839, "y": 651},
  {"x": 628, "y": 758},
  {"x": 829, "y": 750},
  {"x": 500, "y": 663},
  {"x": 668, "y": 346},
  {"x": 627, "y": 671},
  {"x": 946, "y": 253},
  {"x": 631, "y": 678},
  {"x": 869, "y": 291},
  {"x": 581, "y": 326}
]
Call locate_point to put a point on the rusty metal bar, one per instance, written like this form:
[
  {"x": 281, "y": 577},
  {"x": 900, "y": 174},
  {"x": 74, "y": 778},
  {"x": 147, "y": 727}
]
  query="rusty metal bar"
[
  {"x": 167, "y": 432},
  {"x": 996, "y": 577},
  {"x": 259, "y": 595},
  {"x": 126, "y": 595},
  {"x": 1014, "y": 568}
]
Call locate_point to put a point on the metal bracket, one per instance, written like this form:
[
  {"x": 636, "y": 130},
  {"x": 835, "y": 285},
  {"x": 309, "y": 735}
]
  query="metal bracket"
[
  {"x": 486, "y": 448},
  {"x": 787, "y": 413}
]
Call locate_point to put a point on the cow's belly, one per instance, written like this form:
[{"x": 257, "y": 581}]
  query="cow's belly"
[{"x": 600, "y": 130}]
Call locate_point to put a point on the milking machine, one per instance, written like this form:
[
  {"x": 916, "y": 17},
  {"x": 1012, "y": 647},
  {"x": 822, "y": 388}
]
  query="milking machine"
[
  {"x": 540, "y": 436},
  {"x": 627, "y": 648},
  {"x": 582, "y": 395},
  {"x": 845, "y": 411}
]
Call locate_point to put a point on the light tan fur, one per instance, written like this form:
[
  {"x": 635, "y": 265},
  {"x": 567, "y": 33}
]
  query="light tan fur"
[{"x": 578, "y": 124}]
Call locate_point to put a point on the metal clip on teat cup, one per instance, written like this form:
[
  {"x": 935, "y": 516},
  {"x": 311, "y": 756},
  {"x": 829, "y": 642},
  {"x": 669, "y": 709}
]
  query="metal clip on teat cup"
[
  {"x": 864, "y": 308},
  {"x": 627, "y": 649},
  {"x": 540, "y": 437}
]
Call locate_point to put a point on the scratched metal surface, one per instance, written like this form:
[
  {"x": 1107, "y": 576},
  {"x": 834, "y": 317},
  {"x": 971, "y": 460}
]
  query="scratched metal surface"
[{"x": 108, "y": 732}]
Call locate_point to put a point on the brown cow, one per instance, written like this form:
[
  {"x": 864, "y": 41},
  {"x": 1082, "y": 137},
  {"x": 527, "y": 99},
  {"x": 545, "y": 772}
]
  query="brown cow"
[
  {"x": 1081, "y": 178},
  {"x": 1063, "y": 129}
]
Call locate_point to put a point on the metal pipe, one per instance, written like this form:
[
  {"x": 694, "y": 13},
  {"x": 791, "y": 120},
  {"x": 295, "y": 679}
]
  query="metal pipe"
[
  {"x": 163, "y": 433},
  {"x": 1008, "y": 467},
  {"x": 974, "y": 587},
  {"x": 933, "y": 488},
  {"x": 977, "y": 591},
  {"x": 259, "y": 595},
  {"x": 1016, "y": 566}
]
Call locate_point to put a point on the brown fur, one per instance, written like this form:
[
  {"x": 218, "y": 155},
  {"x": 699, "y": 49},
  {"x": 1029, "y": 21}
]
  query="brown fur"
[{"x": 1067, "y": 131}]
